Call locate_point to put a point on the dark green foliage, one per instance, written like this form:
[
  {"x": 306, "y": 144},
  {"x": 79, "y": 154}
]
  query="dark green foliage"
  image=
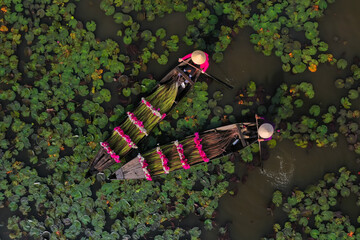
[
  {"x": 309, "y": 212},
  {"x": 59, "y": 117}
]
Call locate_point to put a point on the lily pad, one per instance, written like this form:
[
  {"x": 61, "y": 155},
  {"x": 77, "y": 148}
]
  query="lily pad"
[
  {"x": 228, "y": 109},
  {"x": 349, "y": 81},
  {"x": 212, "y": 103},
  {"x": 351, "y": 138},
  {"x": 218, "y": 111},
  {"x": 124, "y": 80},
  {"x": 108, "y": 77},
  {"x": 218, "y": 57},
  {"x": 353, "y": 94},
  {"x": 218, "y": 95},
  {"x": 314, "y": 110},
  {"x": 341, "y": 64},
  {"x": 126, "y": 92}
]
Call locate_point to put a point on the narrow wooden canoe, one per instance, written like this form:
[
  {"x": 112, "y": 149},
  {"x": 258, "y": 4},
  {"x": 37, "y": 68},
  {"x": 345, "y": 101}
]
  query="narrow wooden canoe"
[
  {"x": 214, "y": 143},
  {"x": 174, "y": 86}
]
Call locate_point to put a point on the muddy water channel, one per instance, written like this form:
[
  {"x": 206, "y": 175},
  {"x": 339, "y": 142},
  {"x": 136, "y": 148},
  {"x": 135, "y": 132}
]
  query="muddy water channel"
[{"x": 288, "y": 165}]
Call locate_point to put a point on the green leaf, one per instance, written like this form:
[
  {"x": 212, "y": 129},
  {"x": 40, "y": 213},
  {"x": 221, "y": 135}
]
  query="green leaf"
[
  {"x": 341, "y": 64},
  {"x": 277, "y": 198},
  {"x": 353, "y": 94},
  {"x": 160, "y": 33},
  {"x": 314, "y": 110},
  {"x": 228, "y": 109},
  {"x": 126, "y": 92},
  {"x": 298, "y": 103},
  {"x": 299, "y": 68},
  {"x": 91, "y": 26}
]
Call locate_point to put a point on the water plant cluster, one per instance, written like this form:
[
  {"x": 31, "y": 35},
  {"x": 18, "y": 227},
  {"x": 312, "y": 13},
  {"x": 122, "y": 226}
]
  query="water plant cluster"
[
  {"x": 62, "y": 90},
  {"x": 315, "y": 213},
  {"x": 54, "y": 111},
  {"x": 287, "y": 28},
  {"x": 316, "y": 127},
  {"x": 290, "y": 29},
  {"x": 348, "y": 117}
]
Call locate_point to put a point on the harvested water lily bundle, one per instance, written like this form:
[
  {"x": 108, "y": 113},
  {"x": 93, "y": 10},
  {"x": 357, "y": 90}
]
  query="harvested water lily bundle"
[
  {"x": 138, "y": 124},
  {"x": 194, "y": 149}
]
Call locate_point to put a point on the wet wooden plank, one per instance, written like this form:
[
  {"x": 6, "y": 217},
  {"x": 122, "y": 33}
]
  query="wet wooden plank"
[
  {"x": 242, "y": 139},
  {"x": 133, "y": 170}
]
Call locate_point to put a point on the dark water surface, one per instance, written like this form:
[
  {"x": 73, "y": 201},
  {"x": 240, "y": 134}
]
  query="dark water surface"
[{"x": 288, "y": 165}]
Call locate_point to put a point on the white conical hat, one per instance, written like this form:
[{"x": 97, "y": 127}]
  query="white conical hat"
[
  {"x": 198, "y": 57},
  {"x": 266, "y": 130}
]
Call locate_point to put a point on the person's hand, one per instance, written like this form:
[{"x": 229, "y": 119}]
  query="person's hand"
[
  {"x": 202, "y": 71},
  {"x": 180, "y": 60}
]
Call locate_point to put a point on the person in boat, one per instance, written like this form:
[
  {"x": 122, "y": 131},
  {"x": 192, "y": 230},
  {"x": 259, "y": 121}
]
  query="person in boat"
[
  {"x": 200, "y": 59},
  {"x": 266, "y": 129}
]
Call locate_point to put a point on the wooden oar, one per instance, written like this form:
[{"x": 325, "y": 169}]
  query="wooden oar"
[
  {"x": 257, "y": 127},
  {"x": 215, "y": 78}
]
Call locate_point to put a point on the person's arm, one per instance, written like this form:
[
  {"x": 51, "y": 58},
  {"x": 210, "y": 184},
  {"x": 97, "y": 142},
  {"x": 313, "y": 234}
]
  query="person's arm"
[{"x": 204, "y": 66}]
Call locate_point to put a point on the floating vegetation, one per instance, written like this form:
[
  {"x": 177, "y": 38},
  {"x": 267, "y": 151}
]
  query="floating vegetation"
[
  {"x": 63, "y": 90},
  {"x": 316, "y": 212},
  {"x": 306, "y": 130}
]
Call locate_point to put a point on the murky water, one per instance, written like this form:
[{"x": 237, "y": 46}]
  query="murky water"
[{"x": 288, "y": 165}]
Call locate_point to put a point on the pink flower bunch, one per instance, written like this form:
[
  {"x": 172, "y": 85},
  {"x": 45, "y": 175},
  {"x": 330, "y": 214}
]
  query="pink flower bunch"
[
  {"x": 180, "y": 150},
  {"x": 144, "y": 167},
  {"x": 153, "y": 110},
  {"x": 138, "y": 124},
  {"x": 197, "y": 141},
  {"x": 109, "y": 151},
  {"x": 164, "y": 160},
  {"x": 126, "y": 137}
]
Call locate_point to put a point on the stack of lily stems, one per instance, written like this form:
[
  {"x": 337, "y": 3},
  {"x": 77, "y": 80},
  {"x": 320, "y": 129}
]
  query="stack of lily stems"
[
  {"x": 214, "y": 143},
  {"x": 163, "y": 98}
]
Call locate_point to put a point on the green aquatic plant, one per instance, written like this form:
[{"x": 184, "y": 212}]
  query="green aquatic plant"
[
  {"x": 272, "y": 34},
  {"x": 305, "y": 130},
  {"x": 316, "y": 212},
  {"x": 56, "y": 109},
  {"x": 341, "y": 64}
]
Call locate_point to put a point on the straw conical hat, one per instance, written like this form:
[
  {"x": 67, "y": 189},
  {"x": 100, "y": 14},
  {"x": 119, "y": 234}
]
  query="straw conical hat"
[
  {"x": 198, "y": 57},
  {"x": 266, "y": 130}
]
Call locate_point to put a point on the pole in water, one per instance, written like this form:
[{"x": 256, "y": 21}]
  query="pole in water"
[
  {"x": 226, "y": 84},
  {"x": 257, "y": 127}
]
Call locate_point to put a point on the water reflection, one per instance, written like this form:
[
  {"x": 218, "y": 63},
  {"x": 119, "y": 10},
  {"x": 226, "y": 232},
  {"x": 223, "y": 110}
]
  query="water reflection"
[{"x": 280, "y": 173}]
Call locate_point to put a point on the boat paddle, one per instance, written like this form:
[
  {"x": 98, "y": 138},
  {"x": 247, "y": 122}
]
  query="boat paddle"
[
  {"x": 215, "y": 78},
  {"x": 257, "y": 127}
]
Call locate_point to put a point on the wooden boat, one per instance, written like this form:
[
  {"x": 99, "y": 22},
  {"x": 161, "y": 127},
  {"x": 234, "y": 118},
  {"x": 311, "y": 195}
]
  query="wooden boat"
[
  {"x": 145, "y": 117},
  {"x": 194, "y": 149}
]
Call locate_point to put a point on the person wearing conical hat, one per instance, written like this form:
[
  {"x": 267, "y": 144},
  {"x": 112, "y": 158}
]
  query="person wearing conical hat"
[
  {"x": 199, "y": 58},
  {"x": 266, "y": 130}
]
